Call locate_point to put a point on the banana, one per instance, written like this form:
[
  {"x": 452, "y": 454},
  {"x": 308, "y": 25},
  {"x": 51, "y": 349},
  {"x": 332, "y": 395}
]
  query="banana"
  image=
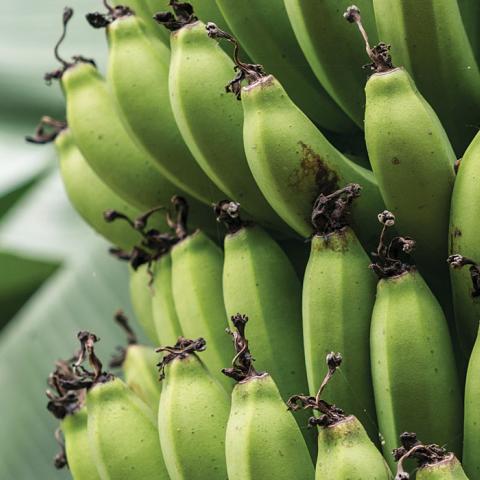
[
  {"x": 165, "y": 315},
  {"x": 211, "y": 122},
  {"x": 414, "y": 375},
  {"x": 142, "y": 9},
  {"x": 197, "y": 264},
  {"x": 430, "y": 41},
  {"x": 263, "y": 29},
  {"x": 337, "y": 304},
  {"x": 411, "y": 158},
  {"x": 105, "y": 143},
  {"x": 464, "y": 234},
  {"x": 471, "y": 432},
  {"x": 331, "y": 50},
  {"x": 291, "y": 161},
  {"x": 193, "y": 414},
  {"x": 69, "y": 407},
  {"x": 121, "y": 427},
  {"x": 344, "y": 449},
  {"x": 470, "y": 11},
  {"x": 434, "y": 462},
  {"x": 138, "y": 365},
  {"x": 141, "y": 93},
  {"x": 262, "y": 438},
  {"x": 258, "y": 278},
  {"x": 89, "y": 196}
]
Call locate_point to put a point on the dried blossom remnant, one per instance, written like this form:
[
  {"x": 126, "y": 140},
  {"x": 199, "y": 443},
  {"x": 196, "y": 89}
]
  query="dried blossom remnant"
[
  {"x": 249, "y": 72},
  {"x": 58, "y": 74},
  {"x": 330, "y": 212},
  {"x": 60, "y": 459},
  {"x": 330, "y": 414},
  {"x": 118, "y": 359},
  {"x": 242, "y": 364},
  {"x": 424, "y": 454},
  {"x": 46, "y": 131},
  {"x": 228, "y": 213},
  {"x": 458, "y": 261},
  {"x": 378, "y": 54},
  {"x": 102, "y": 20},
  {"x": 389, "y": 257},
  {"x": 183, "y": 14},
  {"x": 181, "y": 349}
]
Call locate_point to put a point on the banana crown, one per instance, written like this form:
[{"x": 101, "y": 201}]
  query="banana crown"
[
  {"x": 458, "y": 261},
  {"x": 182, "y": 349},
  {"x": 330, "y": 414},
  {"x": 390, "y": 258},
  {"x": 378, "y": 54},
  {"x": 330, "y": 212},
  {"x": 426, "y": 455},
  {"x": 75, "y": 60}
]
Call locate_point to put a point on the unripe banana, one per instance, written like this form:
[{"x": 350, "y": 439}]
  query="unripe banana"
[
  {"x": 411, "y": 158},
  {"x": 258, "y": 278},
  {"x": 331, "y": 49},
  {"x": 345, "y": 452},
  {"x": 104, "y": 142},
  {"x": 89, "y": 196},
  {"x": 434, "y": 462},
  {"x": 262, "y": 439},
  {"x": 142, "y": 9},
  {"x": 263, "y": 29},
  {"x": 138, "y": 363},
  {"x": 291, "y": 161},
  {"x": 141, "y": 93},
  {"x": 165, "y": 315},
  {"x": 415, "y": 381},
  {"x": 338, "y": 298},
  {"x": 121, "y": 427},
  {"x": 430, "y": 41},
  {"x": 464, "y": 235},
  {"x": 471, "y": 432},
  {"x": 470, "y": 11},
  {"x": 197, "y": 264},
  {"x": 69, "y": 407},
  {"x": 210, "y": 121},
  {"x": 192, "y": 415}
]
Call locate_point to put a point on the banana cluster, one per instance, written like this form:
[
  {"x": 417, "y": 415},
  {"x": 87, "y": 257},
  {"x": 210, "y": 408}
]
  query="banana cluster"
[{"x": 193, "y": 122}]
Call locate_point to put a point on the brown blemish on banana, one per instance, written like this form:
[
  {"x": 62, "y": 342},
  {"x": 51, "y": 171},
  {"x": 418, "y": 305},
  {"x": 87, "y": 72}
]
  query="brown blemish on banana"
[{"x": 312, "y": 166}]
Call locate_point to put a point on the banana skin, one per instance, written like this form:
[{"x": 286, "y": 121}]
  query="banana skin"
[
  {"x": 141, "y": 93},
  {"x": 192, "y": 419},
  {"x": 292, "y": 162}
]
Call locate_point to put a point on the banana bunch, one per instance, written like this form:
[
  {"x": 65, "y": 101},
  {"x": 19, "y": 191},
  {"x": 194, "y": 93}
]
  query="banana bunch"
[{"x": 244, "y": 193}]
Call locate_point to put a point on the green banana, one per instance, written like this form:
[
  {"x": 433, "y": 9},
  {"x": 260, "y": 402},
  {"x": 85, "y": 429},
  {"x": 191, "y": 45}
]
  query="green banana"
[
  {"x": 141, "y": 93},
  {"x": 89, "y": 196},
  {"x": 338, "y": 298},
  {"x": 471, "y": 432},
  {"x": 434, "y": 462},
  {"x": 330, "y": 48},
  {"x": 414, "y": 375},
  {"x": 192, "y": 416},
  {"x": 345, "y": 452},
  {"x": 470, "y": 11},
  {"x": 291, "y": 161},
  {"x": 142, "y": 9},
  {"x": 464, "y": 234},
  {"x": 138, "y": 365},
  {"x": 69, "y": 407},
  {"x": 197, "y": 264},
  {"x": 105, "y": 143},
  {"x": 430, "y": 41},
  {"x": 258, "y": 278},
  {"x": 262, "y": 438},
  {"x": 165, "y": 315},
  {"x": 264, "y": 31},
  {"x": 411, "y": 158},
  {"x": 211, "y": 122},
  {"x": 121, "y": 427}
]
